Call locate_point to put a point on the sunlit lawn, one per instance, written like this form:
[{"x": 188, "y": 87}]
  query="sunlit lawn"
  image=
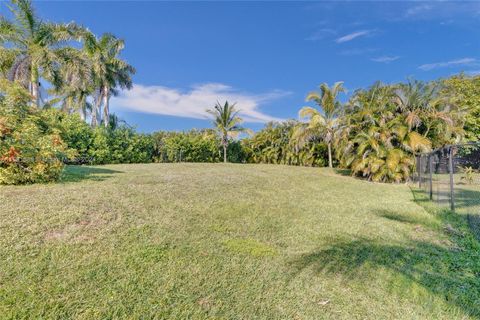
[{"x": 197, "y": 241}]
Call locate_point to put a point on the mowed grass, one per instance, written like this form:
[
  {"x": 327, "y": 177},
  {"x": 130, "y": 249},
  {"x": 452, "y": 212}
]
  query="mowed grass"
[{"x": 215, "y": 241}]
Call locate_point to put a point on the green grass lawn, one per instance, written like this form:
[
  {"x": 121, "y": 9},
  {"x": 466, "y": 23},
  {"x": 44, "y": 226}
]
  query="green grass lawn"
[{"x": 198, "y": 241}]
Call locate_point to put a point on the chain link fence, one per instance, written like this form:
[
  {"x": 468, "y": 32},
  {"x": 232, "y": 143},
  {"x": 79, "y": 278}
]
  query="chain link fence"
[{"x": 450, "y": 176}]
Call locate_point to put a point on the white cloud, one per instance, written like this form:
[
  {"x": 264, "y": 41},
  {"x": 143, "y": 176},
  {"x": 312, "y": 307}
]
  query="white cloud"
[
  {"x": 193, "y": 103},
  {"x": 419, "y": 9},
  {"x": 473, "y": 72},
  {"x": 358, "y": 51},
  {"x": 321, "y": 34},
  {"x": 457, "y": 62},
  {"x": 385, "y": 59},
  {"x": 441, "y": 10},
  {"x": 353, "y": 35}
]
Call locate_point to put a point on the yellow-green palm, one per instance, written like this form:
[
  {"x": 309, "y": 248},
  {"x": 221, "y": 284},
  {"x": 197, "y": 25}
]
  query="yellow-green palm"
[
  {"x": 322, "y": 122},
  {"x": 385, "y": 126}
]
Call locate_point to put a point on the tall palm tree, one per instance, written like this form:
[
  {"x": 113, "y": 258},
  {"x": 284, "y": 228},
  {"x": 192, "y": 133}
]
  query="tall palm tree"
[
  {"x": 227, "y": 123},
  {"x": 110, "y": 71},
  {"x": 37, "y": 46},
  {"x": 77, "y": 84},
  {"x": 322, "y": 122}
]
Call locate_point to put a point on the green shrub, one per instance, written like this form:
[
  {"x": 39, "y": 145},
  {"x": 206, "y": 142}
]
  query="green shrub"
[
  {"x": 30, "y": 150},
  {"x": 236, "y": 153},
  {"x": 75, "y": 132},
  {"x": 189, "y": 146},
  {"x": 274, "y": 144},
  {"x": 120, "y": 145}
]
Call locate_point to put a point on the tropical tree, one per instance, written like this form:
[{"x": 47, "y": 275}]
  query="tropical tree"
[
  {"x": 227, "y": 123},
  {"x": 109, "y": 71},
  {"x": 322, "y": 122},
  {"x": 38, "y": 47},
  {"x": 430, "y": 111},
  {"x": 77, "y": 84},
  {"x": 464, "y": 92},
  {"x": 386, "y": 125}
]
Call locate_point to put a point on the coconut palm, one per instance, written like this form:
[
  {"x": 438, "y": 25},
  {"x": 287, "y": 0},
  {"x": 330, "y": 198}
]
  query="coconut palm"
[
  {"x": 322, "y": 122},
  {"x": 109, "y": 70},
  {"x": 77, "y": 83},
  {"x": 227, "y": 123},
  {"x": 37, "y": 46}
]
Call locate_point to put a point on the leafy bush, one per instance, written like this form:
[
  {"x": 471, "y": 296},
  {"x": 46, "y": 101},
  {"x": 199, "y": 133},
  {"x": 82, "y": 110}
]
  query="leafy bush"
[
  {"x": 235, "y": 152},
  {"x": 75, "y": 132},
  {"x": 30, "y": 150},
  {"x": 275, "y": 144},
  {"x": 120, "y": 145},
  {"x": 189, "y": 146}
]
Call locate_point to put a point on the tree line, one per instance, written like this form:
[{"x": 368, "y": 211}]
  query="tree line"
[{"x": 378, "y": 131}]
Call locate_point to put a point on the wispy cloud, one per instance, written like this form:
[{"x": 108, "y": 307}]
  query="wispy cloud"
[
  {"x": 418, "y": 9},
  {"x": 354, "y": 35},
  {"x": 457, "y": 62},
  {"x": 192, "y": 103},
  {"x": 440, "y": 10},
  {"x": 473, "y": 72},
  {"x": 385, "y": 59},
  {"x": 358, "y": 51},
  {"x": 321, "y": 34}
]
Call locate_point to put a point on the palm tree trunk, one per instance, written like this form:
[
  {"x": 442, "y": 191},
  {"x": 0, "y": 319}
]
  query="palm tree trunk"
[
  {"x": 34, "y": 87},
  {"x": 224, "y": 152},
  {"x": 81, "y": 112},
  {"x": 82, "y": 107},
  {"x": 330, "y": 155},
  {"x": 96, "y": 110},
  {"x": 106, "y": 111}
]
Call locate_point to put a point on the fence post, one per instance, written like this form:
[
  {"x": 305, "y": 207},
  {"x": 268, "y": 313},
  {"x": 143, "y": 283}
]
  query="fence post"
[
  {"x": 430, "y": 169},
  {"x": 450, "y": 168},
  {"x": 419, "y": 171},
  {"x": 419, "y": 165}
]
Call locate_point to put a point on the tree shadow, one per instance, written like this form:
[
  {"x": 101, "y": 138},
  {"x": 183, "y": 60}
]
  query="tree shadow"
[
  {"x": 80, "y": 173},
  {"x": 343, "y": 172},
  {"x": 467, "y": 203},
  {"x": 449, "y": 270},
  {"x": 395, "y": 216},
  {"x": 450, "y": 273},
  {"x": 466, "y": 198}
]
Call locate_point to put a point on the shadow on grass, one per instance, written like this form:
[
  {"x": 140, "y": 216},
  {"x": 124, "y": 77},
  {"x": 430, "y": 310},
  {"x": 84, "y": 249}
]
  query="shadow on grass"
[
  {"x": 466, "y": 198},
  {"x": 467, "y": 204},
  {"x": 450, "y": 272},
  {"x": 453, "y": 275},
  {"x": 395, "y": 216},
  {"x": 343, "y": 172},
  {"x": 80, "y": 173}
]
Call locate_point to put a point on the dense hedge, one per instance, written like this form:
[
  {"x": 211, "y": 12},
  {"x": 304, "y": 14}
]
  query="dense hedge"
[
  {"x": 36, "y": 143},
  {"x": 275, "y": 144}
]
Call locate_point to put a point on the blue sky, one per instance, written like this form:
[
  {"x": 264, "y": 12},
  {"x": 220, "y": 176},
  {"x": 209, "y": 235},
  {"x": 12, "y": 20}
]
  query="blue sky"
[{"x": 267, "y": 56}]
